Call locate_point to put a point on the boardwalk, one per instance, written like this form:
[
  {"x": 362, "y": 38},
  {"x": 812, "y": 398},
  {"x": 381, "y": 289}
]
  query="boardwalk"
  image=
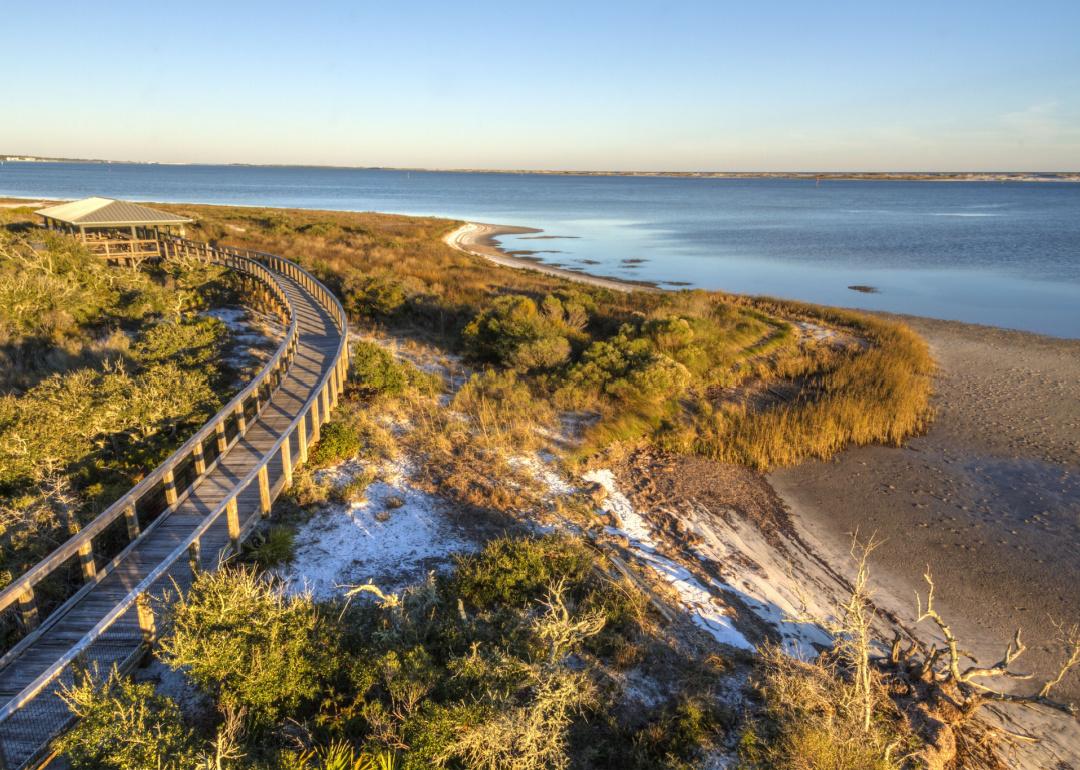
[{"x": 192, "y": 534}]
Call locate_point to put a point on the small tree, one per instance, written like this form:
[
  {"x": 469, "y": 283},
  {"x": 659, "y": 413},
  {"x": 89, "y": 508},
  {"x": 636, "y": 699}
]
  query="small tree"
[
  {"x": 124, "y": 725},
  {"x": 241, "y": 639},
  {"x": 513, "y": 332}
]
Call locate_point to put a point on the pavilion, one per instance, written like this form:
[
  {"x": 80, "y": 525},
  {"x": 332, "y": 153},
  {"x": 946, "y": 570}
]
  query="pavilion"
[{"x": 114, "y": 229}]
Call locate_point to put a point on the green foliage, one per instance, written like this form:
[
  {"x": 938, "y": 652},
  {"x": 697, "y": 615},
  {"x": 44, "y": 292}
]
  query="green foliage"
[
  {"x": 375, "y": 371},
  {"x": 677, "y": 735},
  {"x": 103, "y": 372},
  {"x": 338, "y": 441},
  {"x": 241, "y": 640},
  {"x": 272, "y": 548},
  {"x": 341, "y": 756},
  {"x": 124, "y": 725},
  {"x": 190, "y": 343},
  {"x": 513, "y": 332},
  {"x": 512, "y": 571},
  {"x": 629, "y": 367},
  {"x": 373, "y": 296}
]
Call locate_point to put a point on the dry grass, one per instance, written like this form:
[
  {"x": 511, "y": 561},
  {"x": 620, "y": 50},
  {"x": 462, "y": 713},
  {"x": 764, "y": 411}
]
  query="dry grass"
[{"x": 395, "y": 271}]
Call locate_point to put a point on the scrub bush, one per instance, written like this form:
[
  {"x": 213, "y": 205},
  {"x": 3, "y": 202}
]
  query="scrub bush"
[
  {"x": 249, "y": 646},
  {"x": 124, "y": 725}
]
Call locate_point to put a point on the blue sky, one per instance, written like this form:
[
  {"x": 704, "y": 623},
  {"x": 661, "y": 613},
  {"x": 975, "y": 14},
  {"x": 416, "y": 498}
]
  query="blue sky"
[{"x": 620, "y": 85}]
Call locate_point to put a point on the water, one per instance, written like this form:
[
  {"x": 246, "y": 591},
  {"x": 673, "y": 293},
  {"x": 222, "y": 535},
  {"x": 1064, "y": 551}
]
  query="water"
[{"x": 1000, "y": 254}]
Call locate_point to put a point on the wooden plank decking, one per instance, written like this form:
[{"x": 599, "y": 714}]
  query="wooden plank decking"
[{"x": 25, "y": 732}]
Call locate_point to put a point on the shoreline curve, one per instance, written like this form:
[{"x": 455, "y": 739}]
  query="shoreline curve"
[{"x": 478, "y": 239}]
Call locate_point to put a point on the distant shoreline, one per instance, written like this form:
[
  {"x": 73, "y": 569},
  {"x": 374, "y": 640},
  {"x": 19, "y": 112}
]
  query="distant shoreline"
[{"x": 823, "y": 176}]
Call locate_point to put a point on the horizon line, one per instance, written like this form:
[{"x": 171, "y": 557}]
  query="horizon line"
[{"x": 32, "y": 158}]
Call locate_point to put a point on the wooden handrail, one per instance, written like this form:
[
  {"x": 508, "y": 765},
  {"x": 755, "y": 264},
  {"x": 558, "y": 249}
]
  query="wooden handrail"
[
  {"x": 326, "y": 392},
  {"x": 22, "y": 587}
]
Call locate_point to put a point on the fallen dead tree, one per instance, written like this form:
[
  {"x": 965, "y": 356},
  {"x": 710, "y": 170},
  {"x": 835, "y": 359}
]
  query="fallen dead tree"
[
  {"x": 942, "y": 697},
  {"x": 934, "y": 692}
]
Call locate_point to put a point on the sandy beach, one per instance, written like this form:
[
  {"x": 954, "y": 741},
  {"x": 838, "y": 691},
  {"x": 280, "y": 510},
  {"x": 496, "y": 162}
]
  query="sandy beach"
[
  {"x": 989, "y": 499},
  {"x": 480, "y": 240}
]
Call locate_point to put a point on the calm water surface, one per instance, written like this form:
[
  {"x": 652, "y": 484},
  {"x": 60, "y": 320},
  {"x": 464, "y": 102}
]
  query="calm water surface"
[{"x": 1000, "y": 254}]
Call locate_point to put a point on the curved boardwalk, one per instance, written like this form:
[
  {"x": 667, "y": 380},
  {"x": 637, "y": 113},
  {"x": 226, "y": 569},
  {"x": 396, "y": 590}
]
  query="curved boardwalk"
[{"x": 277, "y": 438}]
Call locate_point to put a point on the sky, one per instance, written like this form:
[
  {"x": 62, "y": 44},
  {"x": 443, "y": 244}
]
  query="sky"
[{"x": 772, "y": 85}]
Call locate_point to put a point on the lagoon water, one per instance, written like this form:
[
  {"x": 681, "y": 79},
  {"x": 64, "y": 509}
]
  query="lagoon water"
[{"x": 991, "y": 253}]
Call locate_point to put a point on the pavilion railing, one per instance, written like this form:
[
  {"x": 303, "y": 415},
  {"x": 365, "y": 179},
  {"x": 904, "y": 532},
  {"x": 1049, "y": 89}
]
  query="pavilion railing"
[
  {"x": 109, "y": 639},
  {"x": 125, "y": 248}
]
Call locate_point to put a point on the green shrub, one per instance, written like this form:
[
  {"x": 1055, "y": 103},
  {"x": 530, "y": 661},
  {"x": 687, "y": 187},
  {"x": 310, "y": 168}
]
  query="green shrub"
[
  {"x": 190, "y": 343},
  {"x": 376, "y": 371},
  {"x": 682, "y": 733},
  {"x": 124, "y": 725},
  {"x": 515, "y": 571},
  {"x": 373, "y": 296},
  {"x": 338, "y": 441},
  {"x": 627, "y": 367},
  {"x": 240, "y": 639},
  {"x": 513, "y": 332},
  {"x": 273, "y": 548}
]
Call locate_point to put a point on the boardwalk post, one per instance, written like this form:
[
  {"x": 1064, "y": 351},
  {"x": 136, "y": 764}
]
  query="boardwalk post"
[
  {"x": 86, "y": 561},
  {"x": 241, "y": 419},
  {"x": 222, "y": 441},
  {"x": 28, "y": 613},
  {"x": 233, "y": 518},
  {"x": 286, "y": 463},
  {"x": 314, "y": 420},
  {"x": 132, "y": 520},
  {"x": 325, "y": 396},
  {"x": 193, "y": 555},
  {"x": 264, "y": 491},
  {"x": 301, "y": 438},
  {"x": 146, "y": 619},
  {"x": 200, "y": 459},
  {"x": 335, "y": 388},
  {"x": 170, "y": 487}
]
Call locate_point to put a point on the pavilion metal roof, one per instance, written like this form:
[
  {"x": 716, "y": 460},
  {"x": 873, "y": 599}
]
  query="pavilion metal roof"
[{"x": 108, "y": 212}]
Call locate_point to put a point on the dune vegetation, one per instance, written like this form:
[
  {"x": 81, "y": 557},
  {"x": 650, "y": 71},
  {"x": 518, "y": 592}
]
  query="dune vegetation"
[
  {"x": 103, "y": 371},
  {"x": 754, "y": 381},
  {"x": 537, "y": 650}
]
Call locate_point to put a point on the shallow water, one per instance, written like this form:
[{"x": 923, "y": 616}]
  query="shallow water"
[{"x": 992, "y": 253}]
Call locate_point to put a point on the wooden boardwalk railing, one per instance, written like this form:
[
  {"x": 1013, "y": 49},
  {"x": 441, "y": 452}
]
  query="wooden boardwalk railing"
[{"x": 184, "y": 516}]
